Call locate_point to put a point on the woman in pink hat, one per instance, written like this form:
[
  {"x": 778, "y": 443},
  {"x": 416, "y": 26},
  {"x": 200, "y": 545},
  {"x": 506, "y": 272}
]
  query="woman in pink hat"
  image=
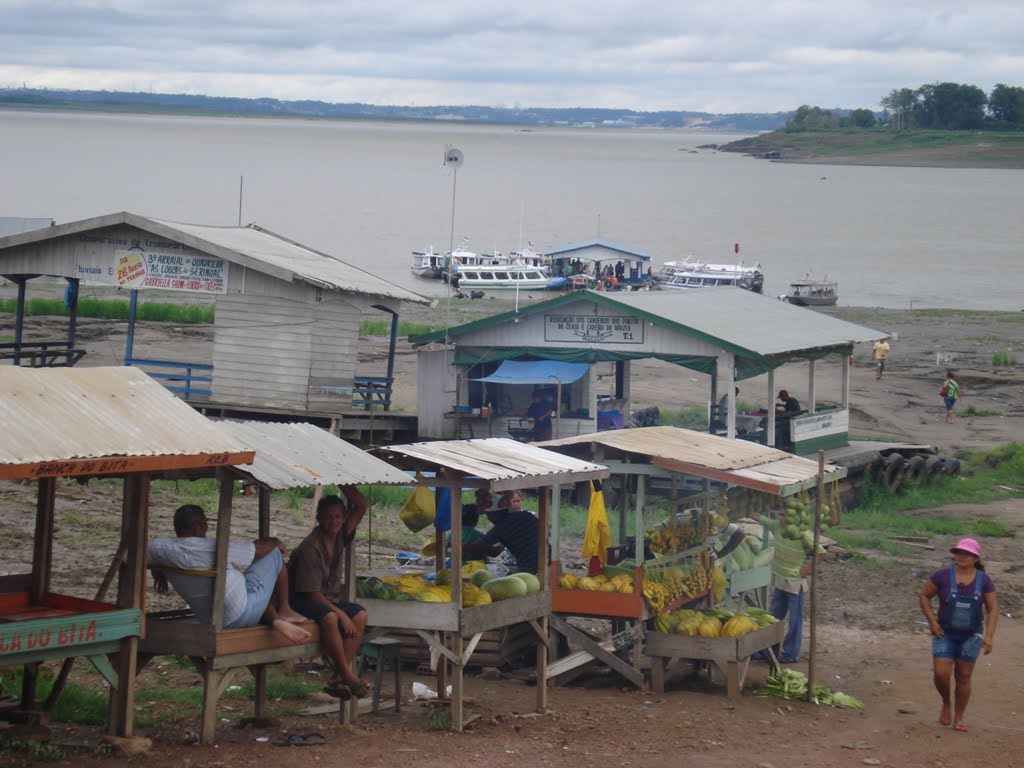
[{"x": 963, "y": 630}]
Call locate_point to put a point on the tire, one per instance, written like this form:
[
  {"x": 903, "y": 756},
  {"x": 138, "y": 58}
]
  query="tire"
[
  {"x": 951, "y": 467},
  {"x": 895, "y": 469},
  {"x": 915, "y": 470},
  {"x": 932, "y": 466}
]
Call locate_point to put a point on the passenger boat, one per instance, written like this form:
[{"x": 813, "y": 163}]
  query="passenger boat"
[
  {"x": 430, "y": 263},
  {"x": 694, "y": 273},
  {"x": 503, "y": 277},
  {"x": 809, "y": 292}
]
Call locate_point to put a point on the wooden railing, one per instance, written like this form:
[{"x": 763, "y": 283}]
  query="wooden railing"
[
  {"x": 41, "y": 354},
  {"x": 176, "y": 376},
  {"x": 371, "y": 391}
]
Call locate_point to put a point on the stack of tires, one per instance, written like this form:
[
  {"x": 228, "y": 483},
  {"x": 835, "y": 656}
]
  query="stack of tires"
[{"x": 896, "y": 471}]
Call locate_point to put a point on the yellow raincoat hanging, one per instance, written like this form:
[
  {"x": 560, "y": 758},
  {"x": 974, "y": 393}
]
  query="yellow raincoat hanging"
[{"x": 598, "y": 536}]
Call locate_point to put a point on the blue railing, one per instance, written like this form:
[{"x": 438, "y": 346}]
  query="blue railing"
[
  {"x": 371, "y": 391},
  {"x": 181, "y": 379}
]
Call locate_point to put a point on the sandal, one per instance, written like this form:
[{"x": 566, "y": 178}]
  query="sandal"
[
  {"x": 362, "y": 690},
  {"x": 339, "y": 691},
  {"x": 301, "y": 740}
]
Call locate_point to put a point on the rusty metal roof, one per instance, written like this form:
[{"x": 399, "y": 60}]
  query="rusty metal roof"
[
  {"x": 94, "y": 421},
  {"x": 302, "y": 455},
  {"x": 738, "y": 462},
  {"x": 505, "y": 464}
]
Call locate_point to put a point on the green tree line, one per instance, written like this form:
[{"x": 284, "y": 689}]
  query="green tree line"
[{"x": 936, "y": 106}]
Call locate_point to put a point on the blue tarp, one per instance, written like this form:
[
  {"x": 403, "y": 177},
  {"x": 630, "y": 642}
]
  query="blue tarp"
[{"x": 536, "y": 372}]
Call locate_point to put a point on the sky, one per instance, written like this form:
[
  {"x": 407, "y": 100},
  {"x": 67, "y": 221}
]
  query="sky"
[{"x": 718, "y": 56}]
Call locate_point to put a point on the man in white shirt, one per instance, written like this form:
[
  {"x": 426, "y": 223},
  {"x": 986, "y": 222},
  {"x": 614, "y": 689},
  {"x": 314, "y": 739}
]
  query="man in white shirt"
[{"x": 256, "y": 586}]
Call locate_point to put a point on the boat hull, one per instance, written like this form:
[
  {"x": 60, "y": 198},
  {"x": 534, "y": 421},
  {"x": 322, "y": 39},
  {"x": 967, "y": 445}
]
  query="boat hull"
[{"x": 806, "y": 301}]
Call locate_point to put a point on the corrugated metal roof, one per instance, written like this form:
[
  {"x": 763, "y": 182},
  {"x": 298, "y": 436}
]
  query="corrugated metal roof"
[
  {"x": 759, "y": 324},
  {"x": 251, "y": 246},
  {"x": 302, "y": 455},
  {"x": 12, "y": 225},
  {"x": 737, "y": 461},
  {"x": 599, "y": 242},
  {"x": 54, "y": 415},
  {"x": 748, "y": 324},
  {"x": 504, "y": 463}
]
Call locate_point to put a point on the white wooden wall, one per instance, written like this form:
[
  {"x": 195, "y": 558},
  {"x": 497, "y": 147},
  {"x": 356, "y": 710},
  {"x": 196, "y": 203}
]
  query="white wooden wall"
[{"x": 435, "y": 393}]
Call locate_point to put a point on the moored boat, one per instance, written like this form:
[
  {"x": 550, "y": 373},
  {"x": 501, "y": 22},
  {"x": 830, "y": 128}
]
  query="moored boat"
[
  {"x": 507, "y": 277},
  {"x": 695, "y": 273},
  {"x": 809, "y": 292},
  {"x": 427, "y": 263}
]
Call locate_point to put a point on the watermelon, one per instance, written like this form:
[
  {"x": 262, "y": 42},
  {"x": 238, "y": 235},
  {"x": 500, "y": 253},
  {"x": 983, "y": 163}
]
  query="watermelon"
[
  {"x": 481, "y": 577},
  {"x": 532, "y": 582},
  {"x": 505, "y": 587}
]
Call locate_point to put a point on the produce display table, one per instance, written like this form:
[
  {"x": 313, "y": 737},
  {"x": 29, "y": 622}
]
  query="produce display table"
[{"x": 730, "y": 654}]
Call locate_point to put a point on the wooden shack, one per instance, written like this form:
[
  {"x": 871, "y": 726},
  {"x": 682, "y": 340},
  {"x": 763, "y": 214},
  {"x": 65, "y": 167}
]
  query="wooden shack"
[
  {"x": 85, "y": 423},
  {"x": 287, "y": 320}
]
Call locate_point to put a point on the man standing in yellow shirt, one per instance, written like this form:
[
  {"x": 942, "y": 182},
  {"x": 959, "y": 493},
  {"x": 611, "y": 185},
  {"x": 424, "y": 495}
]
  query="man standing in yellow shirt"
[{"x": 880, "y": 353}]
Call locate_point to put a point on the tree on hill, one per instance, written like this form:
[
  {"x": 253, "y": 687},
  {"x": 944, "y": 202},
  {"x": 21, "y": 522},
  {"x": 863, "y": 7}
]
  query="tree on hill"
[
  {"x": 950, "y": 106},
  {"x": 1006, "y": 105},
  {"x": 899, "y": 106},
  {"x": 809, "y": 118}
]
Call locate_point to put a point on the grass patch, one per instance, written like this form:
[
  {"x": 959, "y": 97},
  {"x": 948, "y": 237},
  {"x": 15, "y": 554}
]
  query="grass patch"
[
  {"x": 405, "y": 328},
  {"x": 973, "y": 410},
  {"x": 18, "y": 752},
  {"x": 77, "y": 703},
  {"x": 438, "y": 719},
  {"x": 1003, "y": 358},
  {"x": 690, "y": 417},
  {"x": 112, "y": 309}
]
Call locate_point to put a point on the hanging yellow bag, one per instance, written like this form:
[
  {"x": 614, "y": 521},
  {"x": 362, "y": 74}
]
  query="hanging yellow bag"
[{"x": 418, "y": 511}]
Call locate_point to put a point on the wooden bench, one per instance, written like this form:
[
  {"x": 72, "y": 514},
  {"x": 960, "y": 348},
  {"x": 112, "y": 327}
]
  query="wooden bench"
[{"x": 220, "y": 655}]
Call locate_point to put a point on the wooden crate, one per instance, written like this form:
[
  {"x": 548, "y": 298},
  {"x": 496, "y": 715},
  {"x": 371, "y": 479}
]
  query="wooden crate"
[
  {"x": 497, "y": 647},
  {"x": 726, "y": 653}
]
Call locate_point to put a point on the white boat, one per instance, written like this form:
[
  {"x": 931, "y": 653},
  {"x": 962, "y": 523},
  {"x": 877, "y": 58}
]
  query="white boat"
[
  {"x": 694, "y": 273},
  {"x": 427, "y": 263},
  {"x": 809, "y": 292},
  {"x": 501, "y": 277}
]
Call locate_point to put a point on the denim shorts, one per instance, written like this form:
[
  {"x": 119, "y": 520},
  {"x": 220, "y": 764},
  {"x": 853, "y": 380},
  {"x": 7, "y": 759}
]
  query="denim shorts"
[
  {"x": 959, "y": 648},
  {"x": 260, "y": 578}
]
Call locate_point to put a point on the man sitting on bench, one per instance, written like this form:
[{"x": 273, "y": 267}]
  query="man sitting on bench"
[
  {"x": 256, "y": 588},
  {"x": 316, "y": 567}
]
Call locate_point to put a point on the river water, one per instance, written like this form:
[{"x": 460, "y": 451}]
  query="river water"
[{"x": 370, "y": 193}]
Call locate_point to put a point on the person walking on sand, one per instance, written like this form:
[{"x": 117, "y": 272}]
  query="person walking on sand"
[
  {"x": 880, "y": 352},
  {"x": 950, "y": 392},
  {"x": 964, "y": 629}
]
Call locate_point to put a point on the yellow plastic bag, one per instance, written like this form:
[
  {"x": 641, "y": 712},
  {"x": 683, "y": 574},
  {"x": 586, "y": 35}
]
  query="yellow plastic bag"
[
  {"x": 598, "y": 535},
  {"x": 418, "y": 511}
]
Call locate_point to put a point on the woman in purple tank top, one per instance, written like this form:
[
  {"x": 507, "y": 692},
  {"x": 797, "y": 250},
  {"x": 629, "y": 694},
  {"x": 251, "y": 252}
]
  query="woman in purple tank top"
[{"x": 964, "y": 628}]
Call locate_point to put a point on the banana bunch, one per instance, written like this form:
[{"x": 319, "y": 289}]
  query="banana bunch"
[
  {"x": 657, "y": 595},
  {"x": 679, "y": 532}
]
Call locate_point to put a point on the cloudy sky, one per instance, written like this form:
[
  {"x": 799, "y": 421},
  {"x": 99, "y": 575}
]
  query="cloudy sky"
[{"x": 712, "y": 55}]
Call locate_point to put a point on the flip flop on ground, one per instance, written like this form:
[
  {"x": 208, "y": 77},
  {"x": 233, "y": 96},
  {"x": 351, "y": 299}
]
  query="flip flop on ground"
[
  {"x": 301, "y": 740},
  {"x": 338, "y": 690},
  {"x": 361, "y": 690}
]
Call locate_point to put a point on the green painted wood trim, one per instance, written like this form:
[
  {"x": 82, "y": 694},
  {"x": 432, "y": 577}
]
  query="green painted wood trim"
[
  {"x": 825, "y": 442},
  {"x": 105, "y": 668},
  {"x": 77, "y": 634}
]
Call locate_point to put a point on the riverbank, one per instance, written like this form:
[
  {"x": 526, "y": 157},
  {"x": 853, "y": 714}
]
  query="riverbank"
[{"x": 914, "y": 149}]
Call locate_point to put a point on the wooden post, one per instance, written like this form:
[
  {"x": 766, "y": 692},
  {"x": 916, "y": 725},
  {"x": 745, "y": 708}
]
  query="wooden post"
[
  {"x": 814, "y": 576},
  {"x": 350, "y": 710},
  {"x": 543, "y": 574},
  {"x": 130, "y": 594},
  {"x": 770, "y": 429},
  {"x": 42, "y": 547},
  {"x": 458, "y": 668},
  {"x": 227, "y": 494},
  {"x": 558, "y": 411},
  {"x": 263, "y": 511}
]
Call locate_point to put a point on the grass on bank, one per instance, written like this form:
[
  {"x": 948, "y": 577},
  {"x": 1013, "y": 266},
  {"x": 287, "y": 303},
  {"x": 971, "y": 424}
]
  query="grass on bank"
[{"x": 879, "y": 514}]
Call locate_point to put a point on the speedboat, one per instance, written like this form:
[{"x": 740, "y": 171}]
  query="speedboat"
[
  {"x": 809, "y": 292},
  {"x": 508, "y": 277},
  {"x": 695, "y": 273}
]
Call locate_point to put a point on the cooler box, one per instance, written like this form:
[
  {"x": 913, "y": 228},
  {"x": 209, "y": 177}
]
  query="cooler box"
[{"x": 609, "y": 420}]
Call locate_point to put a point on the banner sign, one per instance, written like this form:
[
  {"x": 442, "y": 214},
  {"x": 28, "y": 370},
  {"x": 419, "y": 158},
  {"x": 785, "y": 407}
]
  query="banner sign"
[
  {"x": 148, "y": 263},
  {"x": 594, "y": 329},
  {"x": 820, "y": 424}
]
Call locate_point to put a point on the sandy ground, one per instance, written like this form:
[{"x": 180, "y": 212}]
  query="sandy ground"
[{"x": 870, "y": 644}]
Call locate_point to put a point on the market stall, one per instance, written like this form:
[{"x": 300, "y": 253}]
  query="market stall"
[
  {"x": 287, "y": 456},
  {"x": 453, "y": 627},
  {"x": 83, "y": 423},
  {"x": 685, "y": 489}
]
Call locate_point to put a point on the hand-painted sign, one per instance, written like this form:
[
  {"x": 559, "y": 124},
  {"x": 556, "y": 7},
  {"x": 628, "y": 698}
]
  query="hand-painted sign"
[
  {"x": 146, "y": 262},
  {"x": 594, "y": 329},
  {"x": 814, "y": 425},
  {"x": 66, "y": 632}
]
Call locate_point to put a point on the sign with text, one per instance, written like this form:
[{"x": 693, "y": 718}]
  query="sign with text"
[
  {"x": 594, "y": 329},
  {"x": 67, "y": 632},
  {"x": 148, "y": 263},
  {"x": 815, "y": 425}
]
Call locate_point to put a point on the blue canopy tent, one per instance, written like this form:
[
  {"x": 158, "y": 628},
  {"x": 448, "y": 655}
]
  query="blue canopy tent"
[{"x": 538, "y": 372}]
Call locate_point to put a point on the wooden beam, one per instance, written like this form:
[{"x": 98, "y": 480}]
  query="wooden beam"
[
  {"x": 227, "y": 495},
  {"x": 605, "y": 656},
  {"x": 119, "y": 465}
]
